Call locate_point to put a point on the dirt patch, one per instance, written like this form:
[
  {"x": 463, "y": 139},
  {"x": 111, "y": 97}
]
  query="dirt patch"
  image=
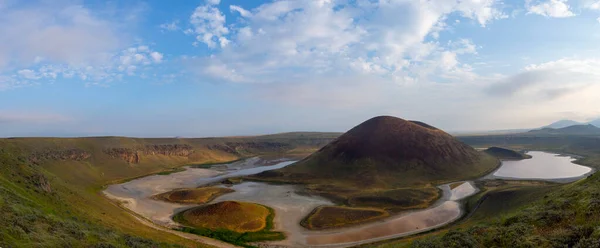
[
  {"x": 397, "y": 199},
  {"x": 335, "y": 216},
  {"x": 193, "y": 196}
]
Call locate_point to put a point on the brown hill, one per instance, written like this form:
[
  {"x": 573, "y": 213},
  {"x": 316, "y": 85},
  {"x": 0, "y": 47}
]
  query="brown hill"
[{"x": 388, "y": 152}]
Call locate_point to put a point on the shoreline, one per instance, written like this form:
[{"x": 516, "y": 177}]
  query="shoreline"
[{"x": 306, "y": 234}]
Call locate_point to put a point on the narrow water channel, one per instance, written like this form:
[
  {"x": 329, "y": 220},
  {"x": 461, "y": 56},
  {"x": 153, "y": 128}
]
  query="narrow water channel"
[{"x": 290, "y": 207}]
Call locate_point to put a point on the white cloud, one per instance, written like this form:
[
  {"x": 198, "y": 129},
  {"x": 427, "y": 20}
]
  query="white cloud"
[
  {"x": 213, "y": 2},
  {"x": 156, "y": 57},
  {"x": 127, "y": 62},
  {"x": 551, "y": 80},
  {"x": 28, "y": 74},
  {"x": 591, "y": 4},
  {"x": 57, "y": 41},
  {"x": 242, "y": 11},
  {"x": 483, "y": 11},
  {"x": 550, "y": 8},
  {"x": 170, "y": 26},
  {"x": 209, "y": 25},
  {"x": 283, "y": 40},
  {"x": 58, "y": 33}
]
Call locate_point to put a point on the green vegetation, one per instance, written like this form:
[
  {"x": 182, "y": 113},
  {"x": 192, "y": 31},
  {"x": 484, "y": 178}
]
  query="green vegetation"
[
  {"x": 50, "y": 187},
  {"x": 171, "y": 171},
  {"x": 567, "y": 217},
  {"x": 39, "y": 210},
  {"x": 335, "y": 216},
  {"x": 232, "y": 236},
  {"x": 526, "y": 213},
  {"x": 235, "y": 216},
  {"x": 193, "y": 196},
  {"x": 506, "y": 154}
]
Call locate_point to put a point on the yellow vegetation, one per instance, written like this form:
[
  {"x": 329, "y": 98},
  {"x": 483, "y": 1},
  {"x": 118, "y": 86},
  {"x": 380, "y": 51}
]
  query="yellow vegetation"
[{"x": 230, "y": 215}]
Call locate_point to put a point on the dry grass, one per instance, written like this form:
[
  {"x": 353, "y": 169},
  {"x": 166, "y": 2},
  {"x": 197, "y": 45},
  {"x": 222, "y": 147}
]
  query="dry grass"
[
  {"x": 336, "y": 216},
  {"x": 396, "y": 200},
  {"x": 193, "y": 196},
  {"x": 235, "y": 216}
]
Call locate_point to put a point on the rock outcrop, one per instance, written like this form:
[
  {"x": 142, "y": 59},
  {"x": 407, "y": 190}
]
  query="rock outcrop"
[
  {"x": 133, "y": 155},
  {"x": 127, "y": 154},
  {"x": 67, "y": 154}
]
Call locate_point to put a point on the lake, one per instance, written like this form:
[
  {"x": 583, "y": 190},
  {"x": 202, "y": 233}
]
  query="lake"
[{"x": 542, "y": 165}]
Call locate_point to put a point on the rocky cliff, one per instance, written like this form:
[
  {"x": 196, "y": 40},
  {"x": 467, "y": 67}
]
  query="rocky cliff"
[
  {"x": 53, "y": 154},
  {"x": 133, "y": 155}
]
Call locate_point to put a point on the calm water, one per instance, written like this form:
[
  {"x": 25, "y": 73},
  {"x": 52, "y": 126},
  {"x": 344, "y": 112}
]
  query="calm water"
[
  {"x": 542, "y": 165},
  {"x": 446, "y": 210}
]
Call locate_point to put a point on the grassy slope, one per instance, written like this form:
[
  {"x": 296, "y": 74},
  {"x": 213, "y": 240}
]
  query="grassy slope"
[
  {"x": 32, "y": 217},
  {"x": 527, "y": 216},
  {"x": 76, "y": 205}
]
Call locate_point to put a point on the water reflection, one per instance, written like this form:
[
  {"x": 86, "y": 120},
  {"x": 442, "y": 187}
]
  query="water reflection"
[{"x": 542, "y": 165}]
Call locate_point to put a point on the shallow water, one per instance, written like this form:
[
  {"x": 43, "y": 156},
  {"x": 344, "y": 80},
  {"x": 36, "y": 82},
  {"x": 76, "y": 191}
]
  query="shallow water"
[
  {"x": 444, "y": 211},
  {"x": 542, "y": 165},
  {"x": 464, "y": 190},
  {"x": 414, "y": 222},
  {"x": 290, "y": 207},
  {"x": 136, "y": 193}
]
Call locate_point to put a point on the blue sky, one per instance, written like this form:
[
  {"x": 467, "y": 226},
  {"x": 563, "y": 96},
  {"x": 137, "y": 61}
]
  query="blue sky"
[{"x": 235, "y": 67}]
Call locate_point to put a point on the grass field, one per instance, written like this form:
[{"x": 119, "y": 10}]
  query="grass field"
[
  {"x": 336, "y": 216},
  {"x": 230, "y": 215},
  {"x": 235, "y": 227},
  {"x": 193, "y": 196}
]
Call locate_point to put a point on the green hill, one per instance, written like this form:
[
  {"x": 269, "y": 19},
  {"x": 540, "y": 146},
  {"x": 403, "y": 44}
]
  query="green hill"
[{"x": 50, "y": 187}]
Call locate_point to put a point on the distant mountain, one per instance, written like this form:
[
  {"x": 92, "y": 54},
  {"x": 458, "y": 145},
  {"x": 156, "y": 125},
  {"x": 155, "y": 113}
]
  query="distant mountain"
[
  {"x": 388, "y": 151},
  {"x": 595, "y": 122},
  {"x": 588, "y": 129},
  {"x": 562, "y": 124}
]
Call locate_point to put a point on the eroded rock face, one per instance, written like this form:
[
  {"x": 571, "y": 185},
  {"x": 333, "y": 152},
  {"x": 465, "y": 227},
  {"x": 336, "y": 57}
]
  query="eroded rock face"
[
  {"x": 250, "y": 147},
  {"x": 127, "y": 154},
  {"x": 133, "y": 156},
  {"x": 169, "y": 150},
  {"x": 67, "y": 154},
  {"x": 41, "y": 182}
]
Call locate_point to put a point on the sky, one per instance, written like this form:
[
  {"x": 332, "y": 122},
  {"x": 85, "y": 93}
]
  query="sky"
[{"x": 237, "y": 67}]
